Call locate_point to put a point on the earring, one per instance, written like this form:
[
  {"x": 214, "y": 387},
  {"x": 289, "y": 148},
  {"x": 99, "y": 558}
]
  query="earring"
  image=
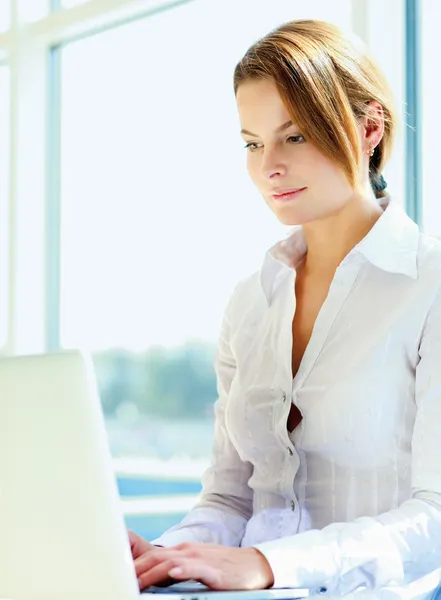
[{"x": 371, "y": 151}]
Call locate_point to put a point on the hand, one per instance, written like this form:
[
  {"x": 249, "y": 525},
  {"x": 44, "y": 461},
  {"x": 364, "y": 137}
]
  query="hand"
[
  {"x": 218, "y": 567},
  {"x": 139, "y": 545}
]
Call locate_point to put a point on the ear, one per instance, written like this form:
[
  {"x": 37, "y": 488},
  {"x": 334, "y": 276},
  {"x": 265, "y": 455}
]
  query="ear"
[{"x": 372, "y": 125}]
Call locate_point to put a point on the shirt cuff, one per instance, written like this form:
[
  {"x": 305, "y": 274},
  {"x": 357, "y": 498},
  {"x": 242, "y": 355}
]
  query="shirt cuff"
[
  {"x": 294, "y": 565},
  {"x": 173, "y": 538},
  {"x": 338, "y": 560}
]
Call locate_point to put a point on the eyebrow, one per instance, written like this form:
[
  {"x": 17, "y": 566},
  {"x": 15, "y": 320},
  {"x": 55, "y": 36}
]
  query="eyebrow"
[{"x": 278, "y": 130}]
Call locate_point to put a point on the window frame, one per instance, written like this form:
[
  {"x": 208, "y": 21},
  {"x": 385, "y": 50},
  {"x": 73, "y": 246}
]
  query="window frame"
[
  {"x": 413, "y": 28},
  {"x": 31, "y": 51},
  {"x": 4, "y": 63}
]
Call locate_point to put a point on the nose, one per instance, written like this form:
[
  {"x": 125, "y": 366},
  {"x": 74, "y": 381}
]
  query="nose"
[{"x": 272, "y": 165}]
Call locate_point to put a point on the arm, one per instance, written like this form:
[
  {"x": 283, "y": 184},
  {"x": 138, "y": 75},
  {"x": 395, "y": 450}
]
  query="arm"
[
  {"x": 225, "y": 505},
  {"x": 398, "y": 546}
]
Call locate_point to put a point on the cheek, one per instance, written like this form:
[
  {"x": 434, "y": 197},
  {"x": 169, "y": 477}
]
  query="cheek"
[
  {"x": 315, "y": 163},
  {"x": 325, "y": 174},
  {"x": 253, "y": 169},
  {"x": 250, "y": 163}
]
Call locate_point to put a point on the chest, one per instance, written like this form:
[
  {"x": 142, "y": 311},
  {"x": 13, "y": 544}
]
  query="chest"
[
  {"x": 351, "y": 347},
  {"x": 310, "y": 294}
]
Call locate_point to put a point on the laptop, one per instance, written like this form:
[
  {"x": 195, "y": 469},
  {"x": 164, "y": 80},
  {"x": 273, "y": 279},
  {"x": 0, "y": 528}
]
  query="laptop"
[{"x": 62, "y": 530}]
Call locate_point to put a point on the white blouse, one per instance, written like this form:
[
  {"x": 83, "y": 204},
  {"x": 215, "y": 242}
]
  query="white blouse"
[{"x": 352, "y": 498}]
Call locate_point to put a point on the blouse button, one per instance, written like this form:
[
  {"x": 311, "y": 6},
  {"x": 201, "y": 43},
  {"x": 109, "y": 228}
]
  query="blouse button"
[
  {"x": 289, "y": 451},
  {"x": 322, "y": 590},
  {"x": 293, "y": 505},
  {"x": 284, "y": 397}
]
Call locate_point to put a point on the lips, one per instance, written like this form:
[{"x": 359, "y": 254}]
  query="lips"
[{"x": 286, "y": 192}]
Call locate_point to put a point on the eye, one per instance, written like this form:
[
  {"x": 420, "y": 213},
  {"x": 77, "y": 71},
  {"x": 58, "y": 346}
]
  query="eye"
[
  {"x": 251, "y": 146},
  {"x": 298, "y": 139}
]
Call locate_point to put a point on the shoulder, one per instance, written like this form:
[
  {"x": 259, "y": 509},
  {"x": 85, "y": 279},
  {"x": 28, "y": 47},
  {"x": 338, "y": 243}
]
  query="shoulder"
[
  {"x": 245, "y": 312},
  {"x": 246, "y": 294},
  {"x": 429, "y": 259},
  {"x": 429, "y": 278},
  {"x": 429, "y": 247}
]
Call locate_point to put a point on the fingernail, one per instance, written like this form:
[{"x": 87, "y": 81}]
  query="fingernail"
[{"x": 175, "y": 571}]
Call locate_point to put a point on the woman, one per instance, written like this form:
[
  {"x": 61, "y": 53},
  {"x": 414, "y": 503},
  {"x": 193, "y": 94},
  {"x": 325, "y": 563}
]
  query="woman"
[{"x": 326, "y": 466}]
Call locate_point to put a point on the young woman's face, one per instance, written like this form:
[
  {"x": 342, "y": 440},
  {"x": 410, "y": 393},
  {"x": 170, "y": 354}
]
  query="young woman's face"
[{"x": 281, "y": 160}]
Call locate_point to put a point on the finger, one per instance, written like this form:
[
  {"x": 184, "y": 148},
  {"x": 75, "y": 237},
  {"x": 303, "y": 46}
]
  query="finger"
[
  {"x": 157, "y": 574},
  {"x": 137, "y": 551},
  {"x": 197, "y": 568},
  {"x": 132, "y": 538},
  {"x": 150, "y": 559},
  {"x": 137, "y": 544}
]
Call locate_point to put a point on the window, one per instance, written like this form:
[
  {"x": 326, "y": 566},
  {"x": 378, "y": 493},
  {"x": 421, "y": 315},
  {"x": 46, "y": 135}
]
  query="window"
[
  {"x": 431, "y": 127},
  {"x": 388, "y": 51},
  {"x": 30, "y": 11},
  {"x": 159, "y": 222},
  {"x": 5, "y": 16},
  {"x": 4, "y": 203},
  {"x": 71, "y": 3}
]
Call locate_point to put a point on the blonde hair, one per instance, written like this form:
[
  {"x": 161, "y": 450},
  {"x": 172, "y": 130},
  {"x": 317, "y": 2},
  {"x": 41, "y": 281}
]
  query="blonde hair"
[{"x": 326, "y": 80}]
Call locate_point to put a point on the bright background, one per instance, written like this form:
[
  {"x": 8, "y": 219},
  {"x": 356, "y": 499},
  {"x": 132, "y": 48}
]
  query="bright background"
[{"x": 127, "y": 215}]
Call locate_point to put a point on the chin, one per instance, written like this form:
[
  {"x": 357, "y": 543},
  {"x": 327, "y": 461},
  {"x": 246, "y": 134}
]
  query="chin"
[{"x": 292, "y": 218}]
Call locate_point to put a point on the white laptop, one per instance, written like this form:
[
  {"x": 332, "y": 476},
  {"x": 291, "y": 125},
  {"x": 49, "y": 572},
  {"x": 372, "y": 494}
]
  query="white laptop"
[{"x": 62, "y": 531}]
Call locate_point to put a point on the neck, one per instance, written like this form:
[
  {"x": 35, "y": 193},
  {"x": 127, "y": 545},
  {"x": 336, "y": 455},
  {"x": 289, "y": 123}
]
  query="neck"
[{"x": 330, "y": 240}]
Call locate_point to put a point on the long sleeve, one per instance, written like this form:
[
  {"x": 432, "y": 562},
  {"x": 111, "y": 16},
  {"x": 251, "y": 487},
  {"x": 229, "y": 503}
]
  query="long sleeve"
[
  {"x": 396, "y": 547},
  {"x": 225, "y": 505}
]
